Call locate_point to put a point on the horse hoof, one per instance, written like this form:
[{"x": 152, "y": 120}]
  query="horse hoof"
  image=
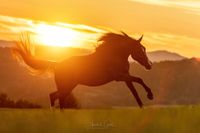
[
  {"x": 150, "y": 96},
  {"x": 52, "y": 103},
  {"x": 50, "y": 107},
  {"x": 141, "y": 105}
]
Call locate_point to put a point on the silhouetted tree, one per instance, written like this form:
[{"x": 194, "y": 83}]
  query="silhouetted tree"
[
  {"x": 26, "y": 104},
  {"x": 5, "y": 102}
]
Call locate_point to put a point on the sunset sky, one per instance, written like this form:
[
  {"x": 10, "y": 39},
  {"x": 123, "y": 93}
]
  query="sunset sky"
[{"x": 172, "y": 25}]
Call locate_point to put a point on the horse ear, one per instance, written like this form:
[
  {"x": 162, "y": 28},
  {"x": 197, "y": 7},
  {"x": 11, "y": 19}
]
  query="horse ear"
[
  {"x": 124, "y": 34},
  {"x": 139, "y": 40}
]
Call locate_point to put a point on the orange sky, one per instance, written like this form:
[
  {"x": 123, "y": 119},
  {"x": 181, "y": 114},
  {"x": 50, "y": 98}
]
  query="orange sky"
[{"x": 166, "y": 24}]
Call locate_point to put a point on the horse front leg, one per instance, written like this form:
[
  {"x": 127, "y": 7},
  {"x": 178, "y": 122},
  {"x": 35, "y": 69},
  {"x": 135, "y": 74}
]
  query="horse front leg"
[
  {"x": 141, "y": 82},
  {"x": 129, "y": 78},
  {"x": 134, "y": 92}
]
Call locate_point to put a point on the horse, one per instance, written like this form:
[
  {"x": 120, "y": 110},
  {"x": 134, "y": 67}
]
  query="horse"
[{"x": 108, "y": 63}]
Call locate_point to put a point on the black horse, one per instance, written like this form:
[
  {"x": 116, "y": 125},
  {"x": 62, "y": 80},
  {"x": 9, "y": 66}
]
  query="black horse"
[{"x": 109, "y": 62}]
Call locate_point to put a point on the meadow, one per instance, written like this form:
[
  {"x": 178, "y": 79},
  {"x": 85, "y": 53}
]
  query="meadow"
[{"x": 181, "y": 119}]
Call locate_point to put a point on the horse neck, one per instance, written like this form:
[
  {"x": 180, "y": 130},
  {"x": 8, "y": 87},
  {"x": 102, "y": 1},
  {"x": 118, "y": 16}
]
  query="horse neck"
[{"x": 120, "y": 55}]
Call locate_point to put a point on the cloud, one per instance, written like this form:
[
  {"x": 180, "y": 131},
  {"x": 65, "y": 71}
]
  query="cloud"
[
  {"x": 20, "y": 24},
  {"x": 15, "y": 25},
  {"x": 190, "y": 6},
  {"x": 187, "y": 46},
  {"x": 81, "y": 27},
  {"x": 12, "y": 27}
]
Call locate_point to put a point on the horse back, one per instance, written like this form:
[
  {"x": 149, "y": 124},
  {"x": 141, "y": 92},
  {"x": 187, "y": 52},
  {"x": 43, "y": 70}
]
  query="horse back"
[{"x": 90, "y": 69}]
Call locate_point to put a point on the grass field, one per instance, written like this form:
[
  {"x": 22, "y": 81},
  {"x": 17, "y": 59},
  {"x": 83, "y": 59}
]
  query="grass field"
[{"x": 180, "y": 119}]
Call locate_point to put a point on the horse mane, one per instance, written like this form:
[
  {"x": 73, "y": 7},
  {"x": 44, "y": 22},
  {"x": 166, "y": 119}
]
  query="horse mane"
[{"x": 110, "y": 41}]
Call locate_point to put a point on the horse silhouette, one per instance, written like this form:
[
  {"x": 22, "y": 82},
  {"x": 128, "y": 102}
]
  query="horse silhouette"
[{"x": 108, "y": 63}]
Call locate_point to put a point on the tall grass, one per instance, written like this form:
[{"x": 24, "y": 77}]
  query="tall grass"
[{"x": 180, "y": 119}]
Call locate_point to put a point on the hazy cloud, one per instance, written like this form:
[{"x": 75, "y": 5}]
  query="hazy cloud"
[
  {"x": 187, "y": 46},
  {"x": 12, "y": 27},
  {"x": 190, "y": 6}
]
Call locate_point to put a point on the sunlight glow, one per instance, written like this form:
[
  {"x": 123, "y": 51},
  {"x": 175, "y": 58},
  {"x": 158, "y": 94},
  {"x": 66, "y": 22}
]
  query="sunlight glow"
[{"x": 56, "y": 35}]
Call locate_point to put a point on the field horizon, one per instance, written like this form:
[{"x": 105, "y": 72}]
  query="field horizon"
[{"x": 147, "y": 120}]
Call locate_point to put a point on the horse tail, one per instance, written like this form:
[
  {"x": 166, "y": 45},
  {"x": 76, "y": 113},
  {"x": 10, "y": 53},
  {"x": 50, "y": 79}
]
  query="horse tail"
[{"x": 24, "y": 53}]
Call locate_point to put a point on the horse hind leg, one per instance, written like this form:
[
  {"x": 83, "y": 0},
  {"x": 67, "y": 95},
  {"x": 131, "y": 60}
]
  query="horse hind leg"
[
  {"x": 65, "y": 84},
  {"x": 62, "y": 100},
  {"x": 53, "y": 96},
  {"x": 63, "y": 94}
]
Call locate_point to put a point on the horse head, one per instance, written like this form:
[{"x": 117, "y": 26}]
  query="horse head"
[
  {"x": 138, "y": 53},
  {"x": 124, "y": 46}
]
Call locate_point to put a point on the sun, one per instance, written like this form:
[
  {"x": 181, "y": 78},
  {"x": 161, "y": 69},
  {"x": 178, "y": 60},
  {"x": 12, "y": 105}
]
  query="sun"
[{"x": 53, "y": 35}]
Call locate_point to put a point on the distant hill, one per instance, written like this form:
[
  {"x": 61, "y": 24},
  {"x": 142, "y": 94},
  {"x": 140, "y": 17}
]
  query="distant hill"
[
  {"x": 172, "y": 82},
  {"x": 162, "y": 55}
]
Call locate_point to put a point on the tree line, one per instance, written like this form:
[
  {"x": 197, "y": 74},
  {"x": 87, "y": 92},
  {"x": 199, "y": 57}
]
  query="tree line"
[{"x": 6, "y": 102}]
